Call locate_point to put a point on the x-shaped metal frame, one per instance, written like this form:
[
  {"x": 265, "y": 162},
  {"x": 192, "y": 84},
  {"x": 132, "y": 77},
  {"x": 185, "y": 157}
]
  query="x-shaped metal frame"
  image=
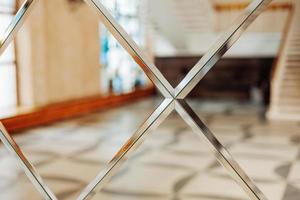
[{"x": 174, "y": 100}]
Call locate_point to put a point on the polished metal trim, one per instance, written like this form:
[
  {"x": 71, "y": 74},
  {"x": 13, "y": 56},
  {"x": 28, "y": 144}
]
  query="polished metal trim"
[
  {"x": 28, "y": 168},
  {"x": 16, "y": 24},
  {"x": 174, "y": 100}
]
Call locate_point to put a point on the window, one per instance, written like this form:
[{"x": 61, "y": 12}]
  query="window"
[
  {"x": 119, "y": 72},
  {"x": 8, "y": 94}
]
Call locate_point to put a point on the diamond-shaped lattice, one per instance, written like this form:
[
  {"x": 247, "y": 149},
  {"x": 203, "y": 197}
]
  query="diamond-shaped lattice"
[{"x": 174, "y": 99}]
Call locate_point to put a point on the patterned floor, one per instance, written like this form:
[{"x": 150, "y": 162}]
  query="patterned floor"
[{"x": 172, "y": 164}]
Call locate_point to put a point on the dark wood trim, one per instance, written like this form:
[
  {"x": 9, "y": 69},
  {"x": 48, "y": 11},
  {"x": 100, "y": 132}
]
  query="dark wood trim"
[
  {"x": 230, "y": 78},
  {"x": 66, "y": 110}
]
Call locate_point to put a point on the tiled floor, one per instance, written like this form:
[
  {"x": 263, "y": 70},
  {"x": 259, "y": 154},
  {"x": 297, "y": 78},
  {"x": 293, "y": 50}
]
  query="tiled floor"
[{"x": 172, "y": 164}]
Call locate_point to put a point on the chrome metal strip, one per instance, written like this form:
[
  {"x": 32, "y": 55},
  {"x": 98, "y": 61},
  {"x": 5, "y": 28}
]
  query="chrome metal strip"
[
  {"x": 15, "y": 25},
  {"x": 158, "y": 116},
  {"x": 132, "y": 48},
  {"x": 223, "y": 156},
  {"x": 28, "y": 168},
  {"x": 220, "y": 48}
]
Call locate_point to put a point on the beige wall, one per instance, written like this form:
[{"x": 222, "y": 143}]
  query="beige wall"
[
  {"x": 268, "y": 21},
  {"x": 58, "y": 54}
]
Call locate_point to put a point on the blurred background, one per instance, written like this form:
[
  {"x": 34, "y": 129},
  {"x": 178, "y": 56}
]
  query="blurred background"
[{"x": 71, "y": 96}]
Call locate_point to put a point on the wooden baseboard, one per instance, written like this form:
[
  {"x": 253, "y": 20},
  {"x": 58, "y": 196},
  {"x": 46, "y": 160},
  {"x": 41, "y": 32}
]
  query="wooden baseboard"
[{"x": 66, "y": 110}]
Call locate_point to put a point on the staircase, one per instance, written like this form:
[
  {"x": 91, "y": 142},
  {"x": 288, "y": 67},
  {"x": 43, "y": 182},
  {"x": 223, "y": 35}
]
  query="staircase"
[
  {"x": 285, "y": 97},
  {"x": 176, "y": 20}
]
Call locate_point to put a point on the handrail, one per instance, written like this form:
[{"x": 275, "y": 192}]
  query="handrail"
[
  {"x": 285, "y": 34},
  {"x": 224, "y": 7},
  {"x": 278, "y": 68}
]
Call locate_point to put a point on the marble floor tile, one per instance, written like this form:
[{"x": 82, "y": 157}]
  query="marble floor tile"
[
  {"x": 235, "y": 120},
  {"x": 189, "y": 142},
  {"x": 294, "y": 175},
  {"x": 160, "y": 138},
  {"x": 69, "y": 170},
  {"x": 58, "y": 147},
  {"x": 273, "y": 190},
  {"x": 281, "y": 141},
  {"x": 246, "y": 149},
  {"x": 129, "y": 197},
  {"x": 226, "y": 129},
  {"x": 175, "y": 160},
  {"x": 292, "y": 191},
  {"x": 257, "y": 169},
  {"x": 276, "y": 128},
  {"x": 207, "y": 186},
  {"x": 172, "y": 164},
  {"x": 101, "y": 154},
  {"x": 145, "y": 180},
  {"x": 20, "y": 190},
  {"x": 10, "y": 170}
]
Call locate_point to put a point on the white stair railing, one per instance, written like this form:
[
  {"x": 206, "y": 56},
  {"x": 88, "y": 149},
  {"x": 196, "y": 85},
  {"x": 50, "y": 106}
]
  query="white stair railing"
[{"x": 285, "y": 93}]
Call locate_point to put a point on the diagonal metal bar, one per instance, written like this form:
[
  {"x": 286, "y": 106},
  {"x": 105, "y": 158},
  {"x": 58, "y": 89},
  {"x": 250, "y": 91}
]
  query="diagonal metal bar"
[
  {"x": 223, "y": 156},
  {"x": 15, "y": 25},
  {"x": 158, "y": 116},
  {"x": 220, "y": 48},
  {"x": 29, "y": 170},
  {"x": 132, "y": 48}
]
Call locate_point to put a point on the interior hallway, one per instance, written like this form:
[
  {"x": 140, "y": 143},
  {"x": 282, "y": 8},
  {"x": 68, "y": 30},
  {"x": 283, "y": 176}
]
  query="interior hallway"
[{"x": 173, "y": 163}]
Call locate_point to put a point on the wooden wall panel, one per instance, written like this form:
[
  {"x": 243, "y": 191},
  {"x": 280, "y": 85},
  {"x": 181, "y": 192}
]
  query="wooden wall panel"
[
  {"x": 60, "y": 111},
  {"x": 230, "y": 78}
]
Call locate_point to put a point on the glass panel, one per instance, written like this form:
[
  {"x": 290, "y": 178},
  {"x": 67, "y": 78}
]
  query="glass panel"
[{"x": 8, "y": 91}]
